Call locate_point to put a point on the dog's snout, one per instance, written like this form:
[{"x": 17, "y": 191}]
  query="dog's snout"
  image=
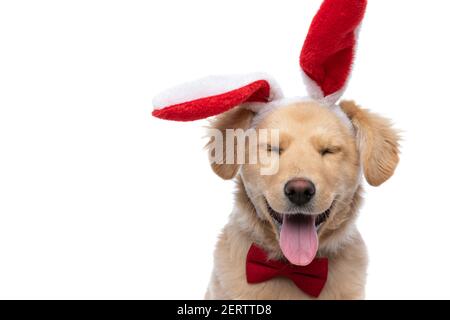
[{"x": 299, "y": 191}]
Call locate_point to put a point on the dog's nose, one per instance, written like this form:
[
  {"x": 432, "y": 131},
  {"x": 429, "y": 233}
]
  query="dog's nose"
[{"x": 299, "y": 191}]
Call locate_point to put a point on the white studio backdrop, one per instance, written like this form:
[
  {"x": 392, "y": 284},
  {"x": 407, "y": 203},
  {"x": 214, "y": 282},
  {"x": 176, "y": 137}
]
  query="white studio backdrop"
[{"x": 100, "y": 200}]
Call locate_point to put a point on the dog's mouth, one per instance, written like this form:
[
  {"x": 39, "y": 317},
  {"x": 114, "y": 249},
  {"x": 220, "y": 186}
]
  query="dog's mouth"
[
  {"x": 298, "y": 234},
  {"x": 320, "y": 219}
]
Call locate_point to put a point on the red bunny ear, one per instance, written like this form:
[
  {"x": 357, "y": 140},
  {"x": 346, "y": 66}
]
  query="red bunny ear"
[
  {"x": 214, "y": 95},
  {"x": 327, "y": 55}
]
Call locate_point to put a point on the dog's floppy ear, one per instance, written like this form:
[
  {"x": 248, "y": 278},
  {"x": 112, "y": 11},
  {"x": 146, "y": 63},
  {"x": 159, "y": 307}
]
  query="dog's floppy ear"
[
  {"x": 239, "y": 118},
  {"x": 377, "y": 142},
  {"x": 234, "y": 99}
]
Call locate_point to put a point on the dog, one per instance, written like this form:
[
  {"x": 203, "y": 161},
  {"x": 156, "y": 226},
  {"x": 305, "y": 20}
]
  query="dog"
[
  {"x": 292, "y": 233},
  {"x": 321, "y": 165}
]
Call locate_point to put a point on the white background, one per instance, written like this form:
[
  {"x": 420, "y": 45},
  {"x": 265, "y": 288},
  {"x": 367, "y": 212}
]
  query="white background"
[{"x": 100, "y": 200}]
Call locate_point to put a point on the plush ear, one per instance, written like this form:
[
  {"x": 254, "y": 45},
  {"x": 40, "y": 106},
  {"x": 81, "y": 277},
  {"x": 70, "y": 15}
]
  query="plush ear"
[
  {"x": 329, "y": 49},
  {"x": 377, "y": 142},
  {"x": 214, "y": 95},
  {"x": 238, "y": 118}
]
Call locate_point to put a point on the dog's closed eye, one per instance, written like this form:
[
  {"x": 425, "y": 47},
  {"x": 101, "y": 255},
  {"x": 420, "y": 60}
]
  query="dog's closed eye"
[
  {"x": 329, "y": 150},
  {"x": 276, "y": 149}
]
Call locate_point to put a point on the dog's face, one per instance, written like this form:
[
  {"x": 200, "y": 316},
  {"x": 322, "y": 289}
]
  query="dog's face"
[{"x": 320, "y": 161}]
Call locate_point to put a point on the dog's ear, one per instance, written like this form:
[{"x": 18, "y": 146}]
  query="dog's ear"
[
  {"x": 239, "y": 118},
  {"x": 224, "y": 97},
  {"x": 377, "y": 143}
]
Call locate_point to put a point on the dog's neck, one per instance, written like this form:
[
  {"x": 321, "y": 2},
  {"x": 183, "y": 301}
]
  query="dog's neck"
[{"x": 337, "y": 232}]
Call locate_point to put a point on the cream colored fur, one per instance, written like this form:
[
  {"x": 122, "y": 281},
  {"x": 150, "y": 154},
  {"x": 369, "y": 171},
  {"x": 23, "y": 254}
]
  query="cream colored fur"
[{"x": 306, "y": 128}]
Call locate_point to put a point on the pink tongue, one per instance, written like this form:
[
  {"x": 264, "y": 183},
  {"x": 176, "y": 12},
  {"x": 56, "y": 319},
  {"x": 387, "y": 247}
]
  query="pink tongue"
[{"x": 298, "y": 239}]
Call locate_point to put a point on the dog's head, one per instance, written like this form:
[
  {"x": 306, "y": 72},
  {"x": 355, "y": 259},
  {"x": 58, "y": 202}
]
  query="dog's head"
[
  {"x": 310, "y": 199},
  {"x": 320, "y": 150}
]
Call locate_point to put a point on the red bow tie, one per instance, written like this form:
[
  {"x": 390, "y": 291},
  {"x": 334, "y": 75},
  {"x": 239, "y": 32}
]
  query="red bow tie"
[{"x": 310, "y": 279}]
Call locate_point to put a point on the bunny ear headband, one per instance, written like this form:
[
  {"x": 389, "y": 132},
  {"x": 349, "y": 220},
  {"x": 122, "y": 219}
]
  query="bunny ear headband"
[{"x": 325, "y": 60}]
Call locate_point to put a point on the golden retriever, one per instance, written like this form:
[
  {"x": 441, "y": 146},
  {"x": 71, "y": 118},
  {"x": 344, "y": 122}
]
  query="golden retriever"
[{"x": 316, "y": 150}]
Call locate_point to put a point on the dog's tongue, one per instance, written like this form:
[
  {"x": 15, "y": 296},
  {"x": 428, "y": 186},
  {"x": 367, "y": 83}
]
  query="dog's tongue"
[{"x": 298, "y": 239}]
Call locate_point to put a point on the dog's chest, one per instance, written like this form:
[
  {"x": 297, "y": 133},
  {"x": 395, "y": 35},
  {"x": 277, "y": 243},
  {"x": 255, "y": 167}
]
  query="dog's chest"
[{"x": 346, "y": 279}]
